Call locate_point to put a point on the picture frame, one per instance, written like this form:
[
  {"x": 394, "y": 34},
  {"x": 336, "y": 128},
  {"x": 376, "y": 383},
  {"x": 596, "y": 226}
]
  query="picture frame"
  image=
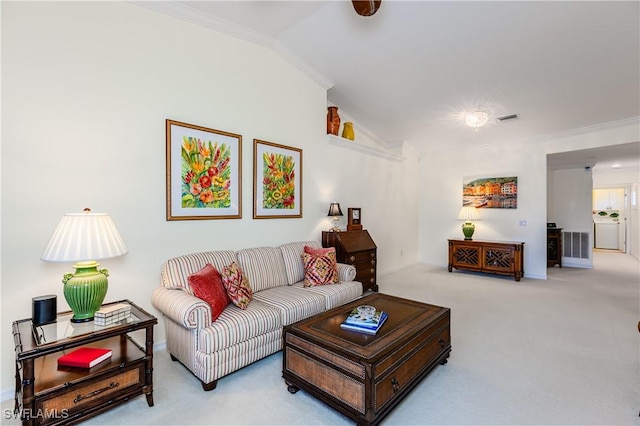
[
  {"x": 277, "y": 181},
  {"x": 499, "y": 192},
  {"x": 203, "y": 173},
  {"x": 354, "y": 219}
]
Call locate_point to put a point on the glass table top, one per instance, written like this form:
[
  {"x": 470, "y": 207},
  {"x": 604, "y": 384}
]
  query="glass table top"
[{"x": 63, "y": 328}]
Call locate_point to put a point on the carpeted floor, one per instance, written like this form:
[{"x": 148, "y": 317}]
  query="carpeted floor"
[{"x": 564, "y": 351}]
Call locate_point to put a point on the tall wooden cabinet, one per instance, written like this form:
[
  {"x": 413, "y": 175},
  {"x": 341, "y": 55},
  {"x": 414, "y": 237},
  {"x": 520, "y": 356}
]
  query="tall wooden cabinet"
[
  {"x": 554, "y": 247},
  {"x": 358, "y": 249}
]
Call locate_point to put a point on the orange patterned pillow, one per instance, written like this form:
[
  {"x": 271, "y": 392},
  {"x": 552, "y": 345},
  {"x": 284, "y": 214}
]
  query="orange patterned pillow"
[
  {"x": 320, "y": 268},
  {"x": 237, "y": 285}
]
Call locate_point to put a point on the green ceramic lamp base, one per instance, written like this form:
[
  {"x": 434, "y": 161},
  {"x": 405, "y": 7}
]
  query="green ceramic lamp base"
[
  {"x": 467, "y": 229},
  {"x": 85, "y": 290}
]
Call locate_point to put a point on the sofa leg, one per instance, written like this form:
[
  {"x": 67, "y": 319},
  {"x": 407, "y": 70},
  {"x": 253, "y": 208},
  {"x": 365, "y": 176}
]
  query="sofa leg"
[
  {"x": 173, "y": 358},
  {"x": 209, "y": 386}
]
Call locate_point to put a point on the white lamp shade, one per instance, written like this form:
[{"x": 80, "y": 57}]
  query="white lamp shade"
[
  {"x": 469, "y": 213},
  {"x": 84, "y": 236}
]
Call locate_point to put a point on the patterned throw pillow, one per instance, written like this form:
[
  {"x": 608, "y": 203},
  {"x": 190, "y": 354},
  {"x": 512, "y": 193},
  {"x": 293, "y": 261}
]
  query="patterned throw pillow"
[
  {"x": 318, "y": 251},
  {"x": 237, "y": 285},
  {"x": 207, "y": 285},
  {"x": 321, "y": 267}
]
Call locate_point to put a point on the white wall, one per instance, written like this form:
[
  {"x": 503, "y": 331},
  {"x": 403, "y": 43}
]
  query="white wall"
[
  {"x": 572, "y": 213},
  {"x": 86, "y": 91},
  {"x": 442, "y": 199},
  {"x": 441, "y": 196}
]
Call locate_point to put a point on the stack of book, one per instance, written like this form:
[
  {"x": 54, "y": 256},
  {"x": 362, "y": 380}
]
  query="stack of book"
[
  {"x": 112, "y": 314},
  {"x": 355, "y": 322}
]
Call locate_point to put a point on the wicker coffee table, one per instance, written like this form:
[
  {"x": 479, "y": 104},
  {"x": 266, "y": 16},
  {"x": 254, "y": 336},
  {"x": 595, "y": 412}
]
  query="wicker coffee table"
[{"x": 365, "y": 376}]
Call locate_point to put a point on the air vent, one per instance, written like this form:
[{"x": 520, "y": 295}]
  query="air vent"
[
  {"x": 575, "y": 244},
  {"x": 507, "y": 118}
]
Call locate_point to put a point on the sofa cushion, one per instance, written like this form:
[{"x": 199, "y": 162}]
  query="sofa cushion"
[
  {"x": 293, "y": 303},
  {"x": 263, "y": 266},
  {"x": 291, "y": 253},
  {"x": 207, "y": 285},
  {"x": 175, "y": 272},
  {"x": 237, "y": 325},
  {"x": 335, "y": 294},
  {"x": 320, "y": 268},
  {"x": 237, "y": 286}
]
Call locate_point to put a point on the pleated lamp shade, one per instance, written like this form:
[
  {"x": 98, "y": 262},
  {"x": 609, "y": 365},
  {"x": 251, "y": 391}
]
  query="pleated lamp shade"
[
  {"x": 84, "y": 236},
  {"x": 468, "y": 213}
]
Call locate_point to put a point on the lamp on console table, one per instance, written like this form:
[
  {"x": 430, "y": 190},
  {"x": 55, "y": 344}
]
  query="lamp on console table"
[
  {"x": 468, "y": 213},
  {"x": 334, "y": 210},
  {"x": 84, "y": 238}
]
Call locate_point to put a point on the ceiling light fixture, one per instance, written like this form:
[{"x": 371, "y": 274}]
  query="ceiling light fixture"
[
  {"x": 366, "y": 7},
  {"x": 476, "y": 119}
]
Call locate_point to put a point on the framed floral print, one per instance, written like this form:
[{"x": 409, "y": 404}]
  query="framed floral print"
[
  {"x": 277, "y": 181},
  {"x": 204, "y": 173}
]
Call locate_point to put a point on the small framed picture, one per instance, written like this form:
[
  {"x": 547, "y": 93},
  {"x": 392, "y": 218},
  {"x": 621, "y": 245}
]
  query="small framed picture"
[{"x": 354, "y": 218}]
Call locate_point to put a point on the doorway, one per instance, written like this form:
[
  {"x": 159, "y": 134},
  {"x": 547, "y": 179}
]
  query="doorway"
[{"x": 610, "y": 219}]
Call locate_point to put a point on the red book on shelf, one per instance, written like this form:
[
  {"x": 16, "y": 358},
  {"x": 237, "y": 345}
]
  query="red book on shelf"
[{"x": 84, "y": 357}]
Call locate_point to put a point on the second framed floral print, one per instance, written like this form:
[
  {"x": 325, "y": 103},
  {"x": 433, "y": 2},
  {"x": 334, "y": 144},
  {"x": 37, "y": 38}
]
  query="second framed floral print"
[{"x": 277, "y": 181}]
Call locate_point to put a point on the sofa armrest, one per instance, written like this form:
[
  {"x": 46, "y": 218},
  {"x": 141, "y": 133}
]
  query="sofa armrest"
[
  {"x": 346, "y": 272},
  {"x": 183, "y": 308}
]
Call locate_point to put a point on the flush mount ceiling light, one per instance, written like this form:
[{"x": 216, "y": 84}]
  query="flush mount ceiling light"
[
  {"x": 476, "y": 119},
  {"x": 366, "y": 7}
]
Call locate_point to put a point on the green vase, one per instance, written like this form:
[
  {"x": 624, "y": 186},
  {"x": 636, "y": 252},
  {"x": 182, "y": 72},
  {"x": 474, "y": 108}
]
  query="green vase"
[
  {"x": 467, "y": 229},
  {"x": 85, "y": 290}
]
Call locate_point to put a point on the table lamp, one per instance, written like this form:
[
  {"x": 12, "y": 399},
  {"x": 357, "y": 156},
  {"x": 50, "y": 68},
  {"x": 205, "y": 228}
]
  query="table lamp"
[
  {"x": 84, "y": 238},
  {"x": 468, "y": 213},
  {"x": 334, "y": 210}
]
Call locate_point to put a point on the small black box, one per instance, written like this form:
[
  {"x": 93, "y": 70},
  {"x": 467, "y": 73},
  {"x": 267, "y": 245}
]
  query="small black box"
[{"x": 44, "y": 309}]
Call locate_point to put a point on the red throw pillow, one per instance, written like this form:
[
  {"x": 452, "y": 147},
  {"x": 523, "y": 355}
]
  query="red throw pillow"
[
  {"x": 320, "y": 268},
  {"x": 237, "y": 285},
  {"x": 207, "y": 285}
]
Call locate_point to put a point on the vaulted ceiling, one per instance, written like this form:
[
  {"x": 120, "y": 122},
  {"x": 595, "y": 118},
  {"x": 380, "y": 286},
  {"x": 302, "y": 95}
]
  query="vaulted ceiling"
[{"x": 409, "y": 72}]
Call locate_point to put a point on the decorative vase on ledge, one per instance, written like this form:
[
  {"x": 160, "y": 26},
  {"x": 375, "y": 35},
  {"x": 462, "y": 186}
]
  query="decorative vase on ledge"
[
  {"x": 333, "y": 120},
  {"x": 347, "y": 131}
]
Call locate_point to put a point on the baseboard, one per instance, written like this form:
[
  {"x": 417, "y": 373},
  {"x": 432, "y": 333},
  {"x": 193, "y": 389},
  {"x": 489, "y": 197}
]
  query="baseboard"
[{"x": 9, "y": 394}]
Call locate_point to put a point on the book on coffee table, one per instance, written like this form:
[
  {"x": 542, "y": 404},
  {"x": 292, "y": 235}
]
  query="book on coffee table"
[
  {"x": 84, "y": 357},
  {"x": 354, "y": 322}
]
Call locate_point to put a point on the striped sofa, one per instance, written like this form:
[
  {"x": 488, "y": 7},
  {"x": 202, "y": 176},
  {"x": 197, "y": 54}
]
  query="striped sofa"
[{"x": 211, "y": 350}]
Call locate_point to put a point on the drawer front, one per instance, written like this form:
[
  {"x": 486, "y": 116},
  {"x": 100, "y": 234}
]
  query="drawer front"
[
  {"x": 361, "y": 256},
  {"x": 86, "y": 395},
  {"x": 418, "y": 362}
]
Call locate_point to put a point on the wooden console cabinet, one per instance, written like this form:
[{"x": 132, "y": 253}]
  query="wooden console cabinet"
[
  {"x": 493, "y": 257},
  {"x": 54, "y": 395},
  {"x": 358, "y": 249}
]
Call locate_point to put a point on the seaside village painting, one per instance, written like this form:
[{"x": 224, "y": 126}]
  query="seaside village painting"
[{"x": 493, "y": 193}]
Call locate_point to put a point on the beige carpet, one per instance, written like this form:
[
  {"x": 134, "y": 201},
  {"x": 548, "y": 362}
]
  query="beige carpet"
[{"x": 564, "y": 351}]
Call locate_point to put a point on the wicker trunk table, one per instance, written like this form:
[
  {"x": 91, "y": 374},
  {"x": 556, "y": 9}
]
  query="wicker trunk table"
[{"x": 365, "y": 376}]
